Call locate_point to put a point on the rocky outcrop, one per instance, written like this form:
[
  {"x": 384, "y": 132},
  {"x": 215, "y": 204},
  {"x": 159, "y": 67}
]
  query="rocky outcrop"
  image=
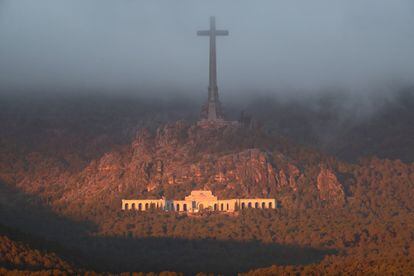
[
  {"x": 330, "y": 189},
  {"x": 231, "y": 160},
  {"x": 179, "y": 157}
]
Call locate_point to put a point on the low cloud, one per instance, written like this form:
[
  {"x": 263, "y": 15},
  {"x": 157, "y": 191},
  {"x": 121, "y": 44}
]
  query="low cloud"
[{"x": 141, "y": 46}]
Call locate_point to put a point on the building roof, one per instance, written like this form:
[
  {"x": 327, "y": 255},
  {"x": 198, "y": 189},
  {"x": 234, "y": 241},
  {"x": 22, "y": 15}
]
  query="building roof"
[{"x": 201, "y": 195}]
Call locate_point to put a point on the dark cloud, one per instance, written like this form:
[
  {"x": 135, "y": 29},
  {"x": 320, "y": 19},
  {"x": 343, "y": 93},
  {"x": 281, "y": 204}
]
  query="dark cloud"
[{"x": 151, "y": 45}]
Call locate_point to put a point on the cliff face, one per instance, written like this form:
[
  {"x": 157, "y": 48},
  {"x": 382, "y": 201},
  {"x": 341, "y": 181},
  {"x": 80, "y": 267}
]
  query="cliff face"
[
  {"x": 330, "y": 189},
  {"x": 178, "y": 157}
]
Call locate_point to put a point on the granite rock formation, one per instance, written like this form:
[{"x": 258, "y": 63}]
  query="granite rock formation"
[{"x": 232, "y": 161}]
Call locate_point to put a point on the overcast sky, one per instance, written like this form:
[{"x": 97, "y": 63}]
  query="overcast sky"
[{"x": 147, "y": 45}]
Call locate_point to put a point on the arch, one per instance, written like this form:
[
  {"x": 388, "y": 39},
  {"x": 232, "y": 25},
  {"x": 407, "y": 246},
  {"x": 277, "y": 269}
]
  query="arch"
[
  {"x": 152, "y": 205},
  {"x": 215, "y": 206},
  {"x": 140, "y": 206},
  {"x": 178, "y": 207},
  {"x": 222, "y": 207},
  {"x": 158, "y": 206},
  {"x": 249, "y": 205},
  {"x": 146, "y": 206},
  {"x": 270, "y": 205},
  {"x": 263, "y": 205},
  {"x": 185, "y": 207},
  {"x": 227, "y": 206},
  {"x": 256, "y": 205},
  {"x": 126, "y": 206},
  {"x": 243, "y": 205},
  {"x": 133, "y": 206}
]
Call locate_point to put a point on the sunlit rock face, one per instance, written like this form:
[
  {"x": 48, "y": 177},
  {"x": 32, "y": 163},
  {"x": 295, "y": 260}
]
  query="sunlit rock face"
[
  {"x": 330, "y": 189},
  {"x": 232, "y": 161}
]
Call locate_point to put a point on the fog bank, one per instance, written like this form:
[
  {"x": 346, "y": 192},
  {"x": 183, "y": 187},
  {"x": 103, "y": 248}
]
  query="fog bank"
[{"x": 151, "y": 46}]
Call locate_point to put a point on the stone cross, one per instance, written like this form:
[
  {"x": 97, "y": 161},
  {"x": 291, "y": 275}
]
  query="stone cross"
[{"x": 213, "y": 107}]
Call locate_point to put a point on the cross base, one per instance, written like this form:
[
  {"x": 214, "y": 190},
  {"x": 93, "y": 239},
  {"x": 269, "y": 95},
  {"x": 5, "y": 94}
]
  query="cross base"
[{"x": 218, "y": 123}]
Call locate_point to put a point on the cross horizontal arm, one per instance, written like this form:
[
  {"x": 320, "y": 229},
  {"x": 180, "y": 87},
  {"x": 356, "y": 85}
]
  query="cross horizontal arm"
[
  {"x": 203, "y": 33},
  {"x": 216, "y": 32},
  {"x": 221, "y": 32}
]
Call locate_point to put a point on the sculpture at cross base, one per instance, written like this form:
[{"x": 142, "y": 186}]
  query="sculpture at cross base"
[{"x": 212, "y": 111}]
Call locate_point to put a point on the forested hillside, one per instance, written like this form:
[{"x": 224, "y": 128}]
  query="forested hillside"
[{"x": 63, "y": 172}]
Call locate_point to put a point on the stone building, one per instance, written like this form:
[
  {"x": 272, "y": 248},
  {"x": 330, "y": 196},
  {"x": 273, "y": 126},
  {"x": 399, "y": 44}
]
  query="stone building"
[{"x": 198, "y": 201}]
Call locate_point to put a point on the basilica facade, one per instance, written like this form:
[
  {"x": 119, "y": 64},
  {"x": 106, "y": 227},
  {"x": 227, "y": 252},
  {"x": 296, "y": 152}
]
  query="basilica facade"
[{"x": 199, "y": 201}]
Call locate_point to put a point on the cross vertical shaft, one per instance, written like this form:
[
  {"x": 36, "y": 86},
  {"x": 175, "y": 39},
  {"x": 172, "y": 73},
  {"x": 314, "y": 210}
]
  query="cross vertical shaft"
[
  {"x": 212, "y": 109},
  {"x": 212, "y": 89}
]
